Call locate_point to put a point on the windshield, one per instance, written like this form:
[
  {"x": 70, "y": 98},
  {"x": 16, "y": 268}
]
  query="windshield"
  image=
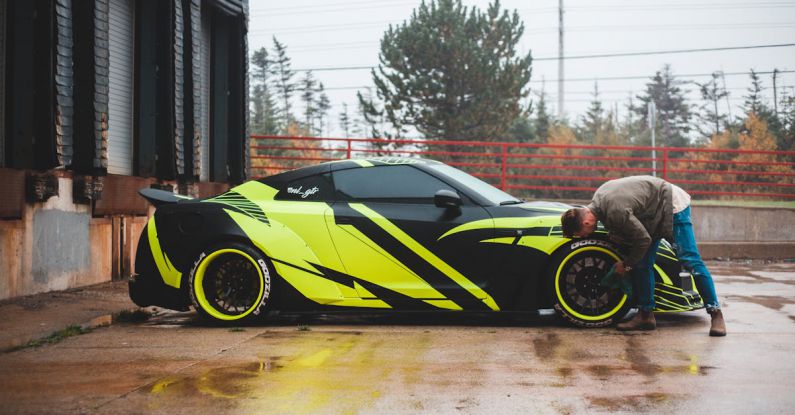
[{"x": 493, "y": 194}]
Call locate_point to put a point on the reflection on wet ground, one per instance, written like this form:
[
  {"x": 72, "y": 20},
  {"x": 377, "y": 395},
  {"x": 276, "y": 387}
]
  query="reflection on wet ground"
[{"x": 451, "y": 363}]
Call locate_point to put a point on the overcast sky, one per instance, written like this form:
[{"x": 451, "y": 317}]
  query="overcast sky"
[{"x": 343, "y": 33}]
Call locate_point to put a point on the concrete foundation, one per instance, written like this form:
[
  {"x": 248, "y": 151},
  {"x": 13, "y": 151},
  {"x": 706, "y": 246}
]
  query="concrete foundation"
[{"x": 58, "y": 245}]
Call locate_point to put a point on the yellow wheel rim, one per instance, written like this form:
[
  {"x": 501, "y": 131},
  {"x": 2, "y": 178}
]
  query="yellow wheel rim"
[
  {"x": 560, "y": 296},
  {"x": 201, "y": 297}
]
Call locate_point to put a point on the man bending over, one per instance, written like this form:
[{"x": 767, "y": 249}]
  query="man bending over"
[{"x": 639, "y": 211}]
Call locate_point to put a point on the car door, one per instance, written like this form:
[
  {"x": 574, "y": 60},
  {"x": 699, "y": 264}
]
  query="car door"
[{"x": 389, "y": 235}]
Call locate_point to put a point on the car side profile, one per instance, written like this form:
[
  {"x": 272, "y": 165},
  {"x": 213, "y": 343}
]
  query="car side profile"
[{"x": 380, "y": 234}]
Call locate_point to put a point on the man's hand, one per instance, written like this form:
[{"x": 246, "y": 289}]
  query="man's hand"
[{"x": 621, "y": 269}]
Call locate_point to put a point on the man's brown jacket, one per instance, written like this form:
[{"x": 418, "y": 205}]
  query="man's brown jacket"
[{"x": 635, "y": 210}]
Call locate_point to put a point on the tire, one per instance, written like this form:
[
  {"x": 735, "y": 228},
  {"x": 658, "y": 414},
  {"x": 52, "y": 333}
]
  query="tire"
[
  {"x": 575, "y": 273},
  {"x": 230, "y": 282}
]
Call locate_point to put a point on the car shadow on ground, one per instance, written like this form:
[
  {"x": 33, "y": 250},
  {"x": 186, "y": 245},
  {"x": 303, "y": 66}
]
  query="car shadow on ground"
[{"x": 546, "y": 318}]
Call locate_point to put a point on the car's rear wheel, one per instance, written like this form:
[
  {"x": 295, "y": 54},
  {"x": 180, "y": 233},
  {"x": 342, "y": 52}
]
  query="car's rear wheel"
[
  {"x": 230, "y": 282},
  {"x": 576, "y": 272}
]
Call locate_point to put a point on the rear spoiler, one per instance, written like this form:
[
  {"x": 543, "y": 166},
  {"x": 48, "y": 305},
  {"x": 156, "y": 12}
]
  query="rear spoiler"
[{"x": 159, "y": 197}]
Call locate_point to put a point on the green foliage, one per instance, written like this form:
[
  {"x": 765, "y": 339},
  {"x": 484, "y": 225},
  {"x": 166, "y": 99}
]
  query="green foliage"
[
  {"x": 711, "y": 117},
  {"x": 450, "y": 72},
  {"x": 673, "y": 111},
  {"x": 263, "y": 118},
  {"x": 281, "y": 70},
  {"x": 543, "y": 120},
  {"x": 57, "y": 336}
]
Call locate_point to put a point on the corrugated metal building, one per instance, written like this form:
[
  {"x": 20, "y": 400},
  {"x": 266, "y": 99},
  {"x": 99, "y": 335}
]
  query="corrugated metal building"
[{"x": 99, "y": 98}]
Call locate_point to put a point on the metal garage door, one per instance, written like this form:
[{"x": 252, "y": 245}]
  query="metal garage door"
[
  {"x": 2, "y": 82},
  {"x": 204, "y": 174},
  {"x": 120, "y": 95}
]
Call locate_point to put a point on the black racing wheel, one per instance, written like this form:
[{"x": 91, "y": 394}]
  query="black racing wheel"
[
  {"x": 230, "y": 282},
  {"x": 576, "y": 271}
]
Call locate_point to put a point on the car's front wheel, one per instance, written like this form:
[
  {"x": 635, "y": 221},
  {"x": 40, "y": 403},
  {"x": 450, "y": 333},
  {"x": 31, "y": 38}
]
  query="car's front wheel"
[
  {"x": 230, "y": 282},
  {"x": 576, "y": 272}
]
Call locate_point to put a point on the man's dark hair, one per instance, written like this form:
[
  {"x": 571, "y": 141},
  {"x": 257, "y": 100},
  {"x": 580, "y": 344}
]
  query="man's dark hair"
[{"x": 571, "y": 221}]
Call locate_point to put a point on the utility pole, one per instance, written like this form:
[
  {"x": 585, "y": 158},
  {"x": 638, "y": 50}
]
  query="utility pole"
[
  {"x": 726, "y": 90},
  {"x": 560, "y": 59},
  {"x": 651, "y": 118},
  {"x": 775, "y": 94}
]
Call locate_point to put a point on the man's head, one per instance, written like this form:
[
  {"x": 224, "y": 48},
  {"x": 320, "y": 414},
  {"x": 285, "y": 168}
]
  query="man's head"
[{"x": 578, "y": 222}]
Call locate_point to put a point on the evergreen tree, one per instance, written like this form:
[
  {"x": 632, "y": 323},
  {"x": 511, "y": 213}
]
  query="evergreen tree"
[
  {"x": 522, "y": 130},
  {"x": 673, "y": 111},
  {"x": 451, "y": 72},
  {"x": 543, "y": 120},
  {"x": 593, "y": 122},
  {"x": 786, "y": 138},
  {"x": 283, "y": 74},
  {"x": 263, "y": 117},
  {"x": 323, "y": 107},
  {"x": 753, "y": 101},
  {"x": 308, "y": 90},
  {"x": 712, "y": 120},
  {"x": 345, "y": 120}
]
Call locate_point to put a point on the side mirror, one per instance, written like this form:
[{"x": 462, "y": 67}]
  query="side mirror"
[{"x": 447, "y": 199}]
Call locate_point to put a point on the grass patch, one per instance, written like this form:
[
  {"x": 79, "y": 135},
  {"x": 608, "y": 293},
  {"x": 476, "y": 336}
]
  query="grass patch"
[
  {"x": 747, "y": 203},
  {"x": 303, "y": 327},
  {"x": 136, "y": 316},
  {"x": 56, "y": 336}
]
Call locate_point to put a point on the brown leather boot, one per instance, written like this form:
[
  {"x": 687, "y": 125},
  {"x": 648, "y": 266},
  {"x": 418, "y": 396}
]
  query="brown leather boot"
[
  {"x": 718, "y": 327},
  {"x": 644, "y": 320}
]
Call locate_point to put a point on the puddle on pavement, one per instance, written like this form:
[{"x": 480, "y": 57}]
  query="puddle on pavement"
[
  {"x": 318, "y": 368},
  {"x": 771, "y": 302},
  {"x": 546, "y": 345},
  {"x": 632, "y": 403}
]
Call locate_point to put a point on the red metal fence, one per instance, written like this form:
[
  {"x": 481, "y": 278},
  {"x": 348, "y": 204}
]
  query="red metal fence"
[{"x": 555, "y": 170}]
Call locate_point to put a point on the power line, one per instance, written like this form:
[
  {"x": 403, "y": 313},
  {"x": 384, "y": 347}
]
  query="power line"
[
  {"x": 665, "y": 52},
  {"x": 599, "y": 79},
  {"x": 538, "y": 30},
  {"x": 359, "y": 5},
  {"x": 604, "y": 55}
]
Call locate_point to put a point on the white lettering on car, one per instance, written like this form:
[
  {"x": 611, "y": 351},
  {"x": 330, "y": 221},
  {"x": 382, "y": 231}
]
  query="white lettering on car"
[
  {"x": 588, "y": 242},
  {"x": 303, "y": 193}
]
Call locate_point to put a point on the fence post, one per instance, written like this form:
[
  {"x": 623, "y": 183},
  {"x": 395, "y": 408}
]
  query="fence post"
[
  {"x": 665, "y": 164},
  {"x": 504, "y": 166},
  {"x": 348, "y": 154}
]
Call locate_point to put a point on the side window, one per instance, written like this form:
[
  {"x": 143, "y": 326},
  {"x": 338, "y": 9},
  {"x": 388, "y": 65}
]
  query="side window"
[
  {"x": 311, "y": 188},
  {"x": 396, "y": 184}
]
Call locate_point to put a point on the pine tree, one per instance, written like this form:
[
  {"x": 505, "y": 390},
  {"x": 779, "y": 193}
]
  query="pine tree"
[
  {"x": 345, "y": 120},
  {"x": 323, "y": 107},
  {"x": 282, "y": 71},
  {"x": 451, "y": 72},
  {"x": 308, "y": 90},
  {"x": 673, "y": 111},
  {"x": 753, "y": 101},
  {"x": 263, "y": 118},
  {"x": 712, "y": 120},
  {"x": 593, "y": 122},
  {"x": 786, "y": 138},
  {"x": 543, "y": 120}
]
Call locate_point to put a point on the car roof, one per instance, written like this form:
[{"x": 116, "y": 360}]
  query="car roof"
[{"x": 344, "y": 164}]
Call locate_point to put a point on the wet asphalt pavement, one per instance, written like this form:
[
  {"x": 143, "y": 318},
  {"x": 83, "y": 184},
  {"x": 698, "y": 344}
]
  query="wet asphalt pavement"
[{"x": 419, "y": 363}]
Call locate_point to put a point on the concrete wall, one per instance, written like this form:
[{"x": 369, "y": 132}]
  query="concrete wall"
[
  {"x": 743, "y": 224},
  {"x": 59, "y": 245},
  {"x": 729, "y": 232}
]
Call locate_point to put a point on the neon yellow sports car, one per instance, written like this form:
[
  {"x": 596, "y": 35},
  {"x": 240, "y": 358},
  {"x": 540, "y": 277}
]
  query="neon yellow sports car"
[{"x": 380, "y": 234}]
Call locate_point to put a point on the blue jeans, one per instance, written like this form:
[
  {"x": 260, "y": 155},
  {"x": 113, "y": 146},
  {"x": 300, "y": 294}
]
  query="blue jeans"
[{"x": 684, "y": 244}]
